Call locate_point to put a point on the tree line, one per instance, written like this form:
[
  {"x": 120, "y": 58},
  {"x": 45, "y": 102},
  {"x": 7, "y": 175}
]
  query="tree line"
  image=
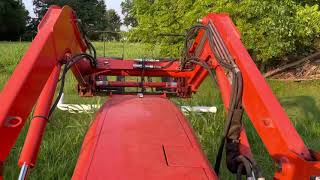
[
  {"x": 15, "y": 22},
  {"x": 273, "y": 31},
  {"x": 13, "y": 19}
]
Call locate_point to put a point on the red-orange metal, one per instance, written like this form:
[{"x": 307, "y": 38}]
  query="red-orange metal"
[
  {"x": 269, "y": 119},
  {"x": 57, "y": 34},
  {"x": 38, "y": 123},
  {"x": 126, "y": 68},
  {"x": 141, "y": 138},
  {"x": 145, "y": 137}
]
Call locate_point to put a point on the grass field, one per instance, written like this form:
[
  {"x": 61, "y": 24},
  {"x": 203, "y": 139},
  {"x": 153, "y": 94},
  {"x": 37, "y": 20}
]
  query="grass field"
[{"x": 65, "y": 132}]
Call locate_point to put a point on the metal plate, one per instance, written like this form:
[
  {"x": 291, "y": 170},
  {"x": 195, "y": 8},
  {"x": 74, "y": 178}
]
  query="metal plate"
[{"x": 141, "y": 138}]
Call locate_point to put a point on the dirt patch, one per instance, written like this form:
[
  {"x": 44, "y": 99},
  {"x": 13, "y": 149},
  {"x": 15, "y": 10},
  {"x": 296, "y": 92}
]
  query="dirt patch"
[
  {"x": 307, "y": 68},
  {"x": 305, "y": 71}
]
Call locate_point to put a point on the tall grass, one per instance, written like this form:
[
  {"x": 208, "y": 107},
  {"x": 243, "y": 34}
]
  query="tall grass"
[{"x": 65, "y": 132}]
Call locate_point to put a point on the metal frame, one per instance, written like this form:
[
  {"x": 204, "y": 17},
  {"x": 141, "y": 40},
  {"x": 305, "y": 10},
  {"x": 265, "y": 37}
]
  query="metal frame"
[{"x": 36, "y": 77}]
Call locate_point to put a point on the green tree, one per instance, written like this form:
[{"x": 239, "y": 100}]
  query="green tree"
[
  {"x": 91, "y": 12},
  {"x": 270, "y": 29},
  {"x": 31, "y": 29},
  {"x": 113, "y": 26},
  {"x": 308, "y": 2},
  {"x": 161, "y": 17},
  {"x": 274, "y": 29},
  {"x": 13, "y": 19},
  {"x": 128, "y": 13}
]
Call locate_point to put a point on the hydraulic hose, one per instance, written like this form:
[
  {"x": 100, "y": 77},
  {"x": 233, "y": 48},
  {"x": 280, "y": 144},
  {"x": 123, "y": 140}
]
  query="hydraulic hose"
[{"x": 230, "y": 137}]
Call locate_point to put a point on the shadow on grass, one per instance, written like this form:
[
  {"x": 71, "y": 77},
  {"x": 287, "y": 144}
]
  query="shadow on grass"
[
  {"x": 305, "y": 115},
  {"x": 304, "y": 104}
]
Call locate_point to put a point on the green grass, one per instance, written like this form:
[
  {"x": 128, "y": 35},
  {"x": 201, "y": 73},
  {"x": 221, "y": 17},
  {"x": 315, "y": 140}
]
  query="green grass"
[{"x": 65, "y": 132}]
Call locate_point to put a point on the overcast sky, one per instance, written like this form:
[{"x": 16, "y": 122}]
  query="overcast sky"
[{"x": 111, "y": 4}]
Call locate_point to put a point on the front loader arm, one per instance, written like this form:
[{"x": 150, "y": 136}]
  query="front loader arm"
[
  {"x": 58, "y": 36},
  {"x": 272, "y": 124}
]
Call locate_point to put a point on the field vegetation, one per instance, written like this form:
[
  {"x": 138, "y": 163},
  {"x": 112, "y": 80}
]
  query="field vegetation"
[
  {"x": 273, "y": 31},
  {"x": 65, "y": 132}
]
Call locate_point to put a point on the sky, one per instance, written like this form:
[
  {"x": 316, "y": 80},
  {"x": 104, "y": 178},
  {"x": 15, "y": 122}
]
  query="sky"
[{"x": 111, "y": 4}]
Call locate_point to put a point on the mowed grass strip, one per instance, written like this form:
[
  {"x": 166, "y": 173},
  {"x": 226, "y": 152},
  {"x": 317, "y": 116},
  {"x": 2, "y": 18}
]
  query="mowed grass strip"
[{"x": 65, "y": 132}]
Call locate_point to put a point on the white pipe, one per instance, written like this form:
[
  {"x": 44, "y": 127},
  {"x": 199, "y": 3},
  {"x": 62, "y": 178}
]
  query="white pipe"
[
  {"x": 23, "y": 172},
  {"x": 204, "y": 109},
  {"x": 91, "y": 108}
]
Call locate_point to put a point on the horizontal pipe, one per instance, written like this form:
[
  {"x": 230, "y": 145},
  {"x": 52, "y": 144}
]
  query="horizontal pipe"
[
  {"x": 112, "y": 67},
  {"x": 38, "y": 124},
  {"x": 147, "y": 72},
  {"x": 135, "y": 84}
]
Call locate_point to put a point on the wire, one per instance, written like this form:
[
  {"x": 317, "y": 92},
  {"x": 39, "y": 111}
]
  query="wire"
[
  {"x": 171, "y": 34},
  {"x": 239, "y": 172},
  {"x": 89, "y": 45},
  {"x": 94, "y": 52},
  {"x": 190, "y": 34},
  {"x": 246, "y": 164},
  {"x": 235, "y": 103},
  {"x": 207, "y": 67},
  {"x": 66, "y": 68}
]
